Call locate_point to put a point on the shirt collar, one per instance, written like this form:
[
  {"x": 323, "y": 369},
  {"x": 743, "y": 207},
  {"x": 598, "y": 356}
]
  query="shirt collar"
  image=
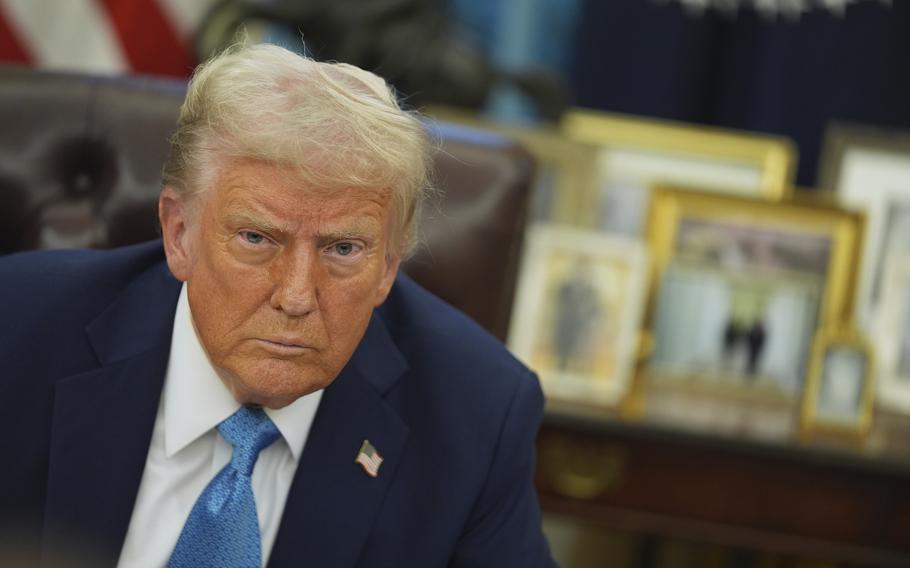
[{"x": 196, "y": 400}]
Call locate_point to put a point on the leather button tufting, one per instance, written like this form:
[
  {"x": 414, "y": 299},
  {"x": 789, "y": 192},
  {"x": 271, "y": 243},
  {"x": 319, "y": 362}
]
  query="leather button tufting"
[{"x": 84, "y": 168}]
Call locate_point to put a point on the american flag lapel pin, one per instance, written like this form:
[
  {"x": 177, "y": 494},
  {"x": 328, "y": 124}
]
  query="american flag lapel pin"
[{"x": 369, "y": 459}]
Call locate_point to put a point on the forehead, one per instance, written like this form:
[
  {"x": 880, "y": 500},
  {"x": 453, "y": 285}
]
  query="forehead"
[{"x": 280, "y": 195}]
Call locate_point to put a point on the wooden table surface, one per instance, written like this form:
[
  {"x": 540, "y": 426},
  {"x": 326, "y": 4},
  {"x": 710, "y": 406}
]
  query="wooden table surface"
[{"x": 711, "y": 467}]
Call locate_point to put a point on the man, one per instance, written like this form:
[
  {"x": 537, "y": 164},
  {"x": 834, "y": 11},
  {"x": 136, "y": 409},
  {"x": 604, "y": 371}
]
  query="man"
[{"x": 261, "y": 387}]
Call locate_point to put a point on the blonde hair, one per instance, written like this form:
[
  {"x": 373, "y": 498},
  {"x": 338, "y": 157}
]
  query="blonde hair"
[{"x": 340, "y": 126}]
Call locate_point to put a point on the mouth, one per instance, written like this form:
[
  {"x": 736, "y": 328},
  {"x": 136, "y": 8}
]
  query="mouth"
[{"x": 285, "y": 346}]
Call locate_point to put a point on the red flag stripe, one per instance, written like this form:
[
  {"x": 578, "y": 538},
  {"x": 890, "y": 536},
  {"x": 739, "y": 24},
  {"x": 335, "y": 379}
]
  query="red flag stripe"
[
  {"x": 149, "y": 40},
  {"x": 11, "y": 46}
]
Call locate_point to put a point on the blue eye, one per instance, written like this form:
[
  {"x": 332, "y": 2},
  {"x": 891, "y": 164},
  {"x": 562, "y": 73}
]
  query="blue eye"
[
  {"x": 252, "y": 237},
  {"x": 344, "y": 249}
]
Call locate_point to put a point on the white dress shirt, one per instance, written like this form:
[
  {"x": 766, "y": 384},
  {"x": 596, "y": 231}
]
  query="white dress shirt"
[{"x": 187, "y": 452}]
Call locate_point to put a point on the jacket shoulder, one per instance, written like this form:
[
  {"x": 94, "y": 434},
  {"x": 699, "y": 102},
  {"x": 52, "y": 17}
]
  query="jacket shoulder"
[
  {"x": 459, "y": 371},
  {"x": 427, "y": 328},
  {"x": 67, "y": 285}
]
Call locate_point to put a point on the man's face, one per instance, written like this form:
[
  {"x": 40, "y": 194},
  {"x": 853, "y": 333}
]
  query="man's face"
[{"x": 281, "y": 278}]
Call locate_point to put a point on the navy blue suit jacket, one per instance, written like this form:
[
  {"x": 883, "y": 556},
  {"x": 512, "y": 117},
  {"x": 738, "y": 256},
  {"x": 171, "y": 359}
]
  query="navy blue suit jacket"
[{"x": 84, "y": 341}]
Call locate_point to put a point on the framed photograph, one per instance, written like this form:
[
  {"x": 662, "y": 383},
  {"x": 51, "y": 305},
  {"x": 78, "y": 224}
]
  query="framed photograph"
[
  {"x": 566, "y": 168},
  {"x": 869, "y": 168},
  {"x": 636, "y": 153},
  {"x": 578, "y": 312},
  {"x": 740, "y": 286},
  {"x": 841, "y": 384},
  {"x": 892, "y": 335}
]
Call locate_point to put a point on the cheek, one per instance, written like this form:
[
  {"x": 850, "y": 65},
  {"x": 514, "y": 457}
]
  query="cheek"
[
  {"x": 237, "y": 278},
  {"x": 347, "y": 307},
  {"x": 224, "y": 296},
  {"x": 386, "y": 279}
]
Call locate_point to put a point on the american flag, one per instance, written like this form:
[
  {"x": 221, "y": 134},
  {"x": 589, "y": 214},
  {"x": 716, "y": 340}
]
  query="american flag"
[
  {"x": 369, "y": 458},
  {"x": 103, "y": 36}
]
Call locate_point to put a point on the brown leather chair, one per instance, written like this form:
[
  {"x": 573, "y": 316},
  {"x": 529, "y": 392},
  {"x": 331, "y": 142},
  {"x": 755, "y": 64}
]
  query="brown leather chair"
[{"x": 80, "y": 163}]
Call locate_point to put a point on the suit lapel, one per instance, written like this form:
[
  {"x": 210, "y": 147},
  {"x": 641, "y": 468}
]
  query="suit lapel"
[
  {"x": 333, "y": 503},
  {"x": 103, "y": 420}
]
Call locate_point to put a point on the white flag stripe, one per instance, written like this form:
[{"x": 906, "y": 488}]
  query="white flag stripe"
[
  {"x": 368, "y": 460},
  {"x": 185, "y": 15},
  {"x": 74, "y": 34}
]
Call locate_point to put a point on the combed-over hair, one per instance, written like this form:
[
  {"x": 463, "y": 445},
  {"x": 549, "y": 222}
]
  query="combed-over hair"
[{"x": 339, "y": 125}]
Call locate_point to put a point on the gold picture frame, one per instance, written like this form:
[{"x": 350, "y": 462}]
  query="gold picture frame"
[
  {"x": 740, "y": 285},
  {"x": 636, "y": 153},
  {"x": 840, "y": 387},
  {"x": 578, "y": 311},
  {"x": 566, "y": 168}
]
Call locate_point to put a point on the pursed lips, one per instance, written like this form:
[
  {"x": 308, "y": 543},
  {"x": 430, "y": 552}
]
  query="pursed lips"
[{"x": 286, "y": 344}]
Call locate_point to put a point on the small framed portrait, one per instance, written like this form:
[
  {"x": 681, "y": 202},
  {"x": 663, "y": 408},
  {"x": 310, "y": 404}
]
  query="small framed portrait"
[
  {"x": 740, "y": 286},
  {"x": 578, "y": 311},
  {"x": 892, "y": 333},
  {"x": 635, "y": 154},
  {"x": 841, "y": 384},
  {"x": 869, "y": 168},
  {"x": 565, "y": 168}
]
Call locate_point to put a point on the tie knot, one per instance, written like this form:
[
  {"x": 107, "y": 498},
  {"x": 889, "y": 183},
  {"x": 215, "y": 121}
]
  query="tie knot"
[{"x": 249, "y": 430}]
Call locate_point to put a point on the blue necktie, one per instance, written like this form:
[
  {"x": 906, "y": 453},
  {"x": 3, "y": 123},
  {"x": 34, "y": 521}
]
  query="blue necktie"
[{"x": 223, "y": 528}]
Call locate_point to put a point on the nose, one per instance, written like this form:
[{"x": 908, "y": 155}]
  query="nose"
[{"x": 295, "y": 275}]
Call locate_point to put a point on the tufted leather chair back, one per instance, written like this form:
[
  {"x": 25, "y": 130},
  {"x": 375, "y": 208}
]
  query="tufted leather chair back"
[{"x": 81, "y": 158}]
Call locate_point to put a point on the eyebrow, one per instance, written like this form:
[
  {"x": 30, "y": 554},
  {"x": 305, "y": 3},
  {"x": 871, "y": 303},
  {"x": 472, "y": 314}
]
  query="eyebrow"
[
  {"x": 359, "y": 229},
  {"x": 254, "y": 220},
  {"x": 362, "y": 230}
]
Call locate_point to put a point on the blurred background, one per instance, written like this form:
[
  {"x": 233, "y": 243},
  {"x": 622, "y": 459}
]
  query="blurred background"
[
  {"x": 715, "y": 279},
  {"x": 779, "y": 66}
]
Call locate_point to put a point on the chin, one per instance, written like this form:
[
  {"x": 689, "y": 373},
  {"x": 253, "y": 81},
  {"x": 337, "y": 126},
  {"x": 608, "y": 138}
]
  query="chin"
[{"x": 277, "y": 384}]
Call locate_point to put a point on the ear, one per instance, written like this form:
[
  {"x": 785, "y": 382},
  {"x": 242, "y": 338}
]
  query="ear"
[
  {"x": 388, "y": 278},
  {"x": 175, "y": 214}
]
